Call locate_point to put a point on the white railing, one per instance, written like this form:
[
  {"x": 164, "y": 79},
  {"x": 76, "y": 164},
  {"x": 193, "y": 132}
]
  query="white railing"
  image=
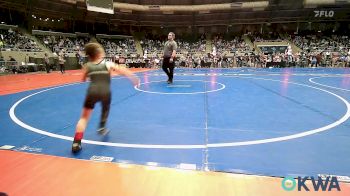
[{"x": 22, "y": 50}]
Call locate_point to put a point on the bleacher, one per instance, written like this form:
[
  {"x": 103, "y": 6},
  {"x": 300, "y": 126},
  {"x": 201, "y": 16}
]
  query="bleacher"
[{"x": 327, "y": 50}]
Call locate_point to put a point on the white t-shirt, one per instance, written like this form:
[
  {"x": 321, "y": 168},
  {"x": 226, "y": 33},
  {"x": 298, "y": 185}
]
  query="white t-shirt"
[
  {"x": 109, "y": 64},
  {"x": 289, "y": 52}
]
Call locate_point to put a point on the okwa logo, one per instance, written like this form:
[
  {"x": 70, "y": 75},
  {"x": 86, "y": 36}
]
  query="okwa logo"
[{"x": 328, "y": 184}]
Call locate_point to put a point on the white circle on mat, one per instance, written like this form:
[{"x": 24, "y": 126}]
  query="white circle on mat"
[
  {"x": 312, "y": 81},
  {"x": 194, "y": 146},
  {"x": 180, "y": 93}
]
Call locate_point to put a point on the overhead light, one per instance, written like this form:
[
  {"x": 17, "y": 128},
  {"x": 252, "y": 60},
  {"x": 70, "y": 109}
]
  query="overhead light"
[
  {"x": 236, "y": 5},
  {"x": 168, "y": 12},
  {"x": 204, "y": 12},
  {"x": 125, "y": 11},
  {"x": 259, "y": 9}
]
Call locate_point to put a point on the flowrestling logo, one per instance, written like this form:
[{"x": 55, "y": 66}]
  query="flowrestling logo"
[
  {"x": 323, "y": 13},
  {"x": 328, "y": 183}
]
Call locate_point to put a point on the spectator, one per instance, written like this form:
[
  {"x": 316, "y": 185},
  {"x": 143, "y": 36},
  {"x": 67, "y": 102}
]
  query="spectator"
[{"x": 47, "y": 63}]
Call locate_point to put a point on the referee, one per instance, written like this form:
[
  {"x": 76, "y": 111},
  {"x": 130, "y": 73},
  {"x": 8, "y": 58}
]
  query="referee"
[{"x": 169, "y": 57}]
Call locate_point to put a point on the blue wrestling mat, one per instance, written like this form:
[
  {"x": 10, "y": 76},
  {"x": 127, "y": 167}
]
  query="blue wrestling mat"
[{"x": 274, "y": 122}]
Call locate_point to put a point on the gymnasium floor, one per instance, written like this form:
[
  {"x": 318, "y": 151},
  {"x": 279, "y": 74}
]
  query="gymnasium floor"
[{"x": 262, "y": 122}]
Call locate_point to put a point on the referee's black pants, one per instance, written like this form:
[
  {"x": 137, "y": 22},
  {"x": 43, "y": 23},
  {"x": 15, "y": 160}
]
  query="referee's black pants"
[{"x": 168, "y": 68}]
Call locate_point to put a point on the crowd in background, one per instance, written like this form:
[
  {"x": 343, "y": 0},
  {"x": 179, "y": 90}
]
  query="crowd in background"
[
  {"x": 67, "y": 44},
  {"x": 234, "y": 51},
  {"x": 14, "y": 40},
  {"x": 121, "y": 47}
]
